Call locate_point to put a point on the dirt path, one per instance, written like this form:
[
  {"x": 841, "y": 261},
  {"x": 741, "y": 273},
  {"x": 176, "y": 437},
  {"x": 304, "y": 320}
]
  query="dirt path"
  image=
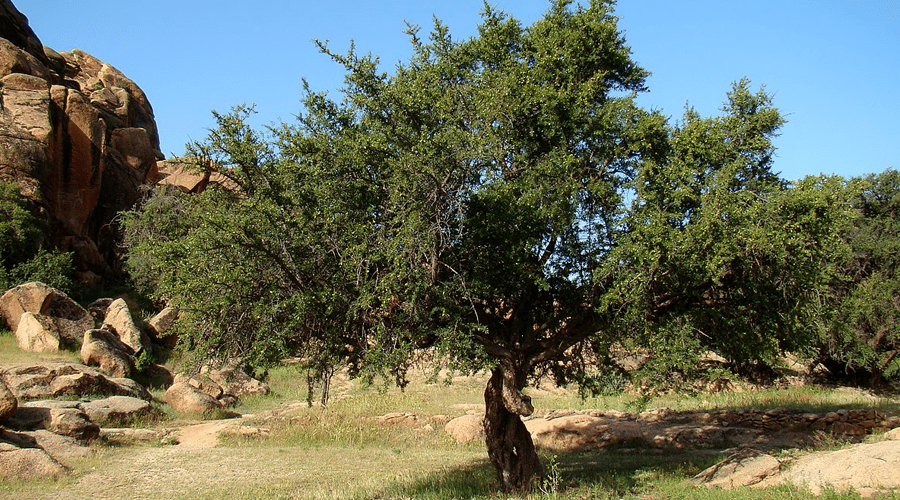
[{"x": 191, "y": 469}]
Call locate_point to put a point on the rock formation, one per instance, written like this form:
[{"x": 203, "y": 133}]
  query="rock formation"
[{"x": 78, "y": 137}]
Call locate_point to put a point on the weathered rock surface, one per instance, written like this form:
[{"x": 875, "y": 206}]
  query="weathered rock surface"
[
  {"x": 57, "y": 446},
  {"x": 119, "y": 318},
  {"x": 104, "y": 349},
  {"x": 72, "y": 422},
  {"x": 189, "y": 176},
  {"x": 466, "y": 429},
  {"x": 78, "y": 137},
  {"x": 37, "y": 333},
  {"x": 25, "y": 463},
  {"x": 69, "y": 319},
  {"x": 186, "y": 398},
  {"x": 866, "y": 468},
  {"x": 744, "y": 468},
  {"x": 117, "y": 410},
  {"x": 78, "y": 418},
  {"x": 159, "y": 327},
  {"x": 48, "y": 380},
  {"x": 8, "y": 402}
]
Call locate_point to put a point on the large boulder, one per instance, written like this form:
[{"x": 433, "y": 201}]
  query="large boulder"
[
  {"x": 118, "y": 410},
  {"x": 186, "y": 398},
  {"x": 27, "y": 463},
  {"x": 69, "y": 319},
  {"x": 119, "y": 318},
  {"x": 104, "y": 349},
  {"x": 466, "y": 429},
  {"x": 72, "y": 422},
  {"x": 78, "y": 137},
  {"x": 8, "y": 402},
  {"x": 37, "y": 333},
  {"x": 212, "y": 389}
]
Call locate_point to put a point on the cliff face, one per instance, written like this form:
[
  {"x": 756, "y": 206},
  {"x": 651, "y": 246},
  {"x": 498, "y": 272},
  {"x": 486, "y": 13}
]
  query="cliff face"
[{"x": 78, "y": 137}]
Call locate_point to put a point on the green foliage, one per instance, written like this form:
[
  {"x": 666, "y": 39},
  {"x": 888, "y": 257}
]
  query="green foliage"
[
  {"x": 20, "y": 230},
  {"x": 719, "y": 254},
  {"x": 860, "y": 326},
  {"x": 502, "y": 200},
  {"x": 22, "y": 256}
]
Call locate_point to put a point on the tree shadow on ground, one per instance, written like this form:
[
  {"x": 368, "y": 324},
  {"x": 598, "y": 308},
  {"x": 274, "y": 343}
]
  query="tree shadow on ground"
[{"x": 614, "y": 472}]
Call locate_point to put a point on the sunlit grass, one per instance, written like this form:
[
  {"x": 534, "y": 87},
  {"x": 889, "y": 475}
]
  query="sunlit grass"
[{"x": 11, "y": 354}]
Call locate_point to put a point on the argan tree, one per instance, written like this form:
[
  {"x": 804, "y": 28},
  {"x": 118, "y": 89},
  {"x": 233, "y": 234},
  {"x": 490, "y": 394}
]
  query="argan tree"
[{"x": 473, "y": 204}]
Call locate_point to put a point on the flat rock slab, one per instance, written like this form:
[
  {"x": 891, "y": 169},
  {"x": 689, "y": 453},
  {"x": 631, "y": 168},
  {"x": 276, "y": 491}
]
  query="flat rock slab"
[{"x": 866, "y": 468}]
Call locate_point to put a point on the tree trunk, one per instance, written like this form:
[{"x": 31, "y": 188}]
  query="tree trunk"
[{"x": 509, "y": 444}]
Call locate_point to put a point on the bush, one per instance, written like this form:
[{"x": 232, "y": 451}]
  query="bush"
[{"x": 22, "y": 256}]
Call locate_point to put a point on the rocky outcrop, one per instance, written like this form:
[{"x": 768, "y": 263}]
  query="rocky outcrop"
[
  {"x": 78, "y": 137},
  {"x": 69, "y": 320},
  {"x": 49, "y": 380},
  {"x": 192, "y": 175}
]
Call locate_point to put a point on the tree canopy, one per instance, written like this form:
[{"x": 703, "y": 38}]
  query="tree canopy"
[{"x": 500, "y": 203}]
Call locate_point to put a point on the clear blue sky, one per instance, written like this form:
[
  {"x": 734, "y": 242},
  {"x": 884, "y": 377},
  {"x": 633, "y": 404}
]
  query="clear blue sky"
[{"x": 833, "y": 66}]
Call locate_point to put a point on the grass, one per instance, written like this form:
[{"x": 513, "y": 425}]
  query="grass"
[{"x": 11, "y": 354}]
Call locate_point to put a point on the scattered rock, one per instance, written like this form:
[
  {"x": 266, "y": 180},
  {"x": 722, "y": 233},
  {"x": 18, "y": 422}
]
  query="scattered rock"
[
  {"x": 466, "y": 429},
  {"x": 186, "y": 398},
  {"x": 118, "y": 317},
  {"x": 104, "y": 349},
  {"x": 234, "y": 382},
  {"x": 128, "y": 434}
]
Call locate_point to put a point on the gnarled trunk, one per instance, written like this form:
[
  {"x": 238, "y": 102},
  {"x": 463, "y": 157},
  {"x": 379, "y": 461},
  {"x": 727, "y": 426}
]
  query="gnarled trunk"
[{"x": 509, "y": 444}]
